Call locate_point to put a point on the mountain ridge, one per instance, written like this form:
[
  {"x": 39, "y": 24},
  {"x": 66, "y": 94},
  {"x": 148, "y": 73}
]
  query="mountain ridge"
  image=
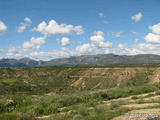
[{"x": 88, "y": 60}]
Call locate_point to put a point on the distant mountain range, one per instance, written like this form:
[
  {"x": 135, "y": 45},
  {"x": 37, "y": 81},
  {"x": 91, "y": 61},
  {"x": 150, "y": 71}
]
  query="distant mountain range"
[
  {"x": 96, "y": 60},
  {"x": 24, "y": 62}
]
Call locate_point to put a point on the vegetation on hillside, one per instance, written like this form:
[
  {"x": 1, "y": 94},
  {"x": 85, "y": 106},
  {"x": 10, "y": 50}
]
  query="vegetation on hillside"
[{"x": 77, "y": 93}]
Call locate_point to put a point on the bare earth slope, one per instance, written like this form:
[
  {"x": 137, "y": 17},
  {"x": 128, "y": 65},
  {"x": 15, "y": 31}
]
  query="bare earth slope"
[{"x": 77, "y": 78}]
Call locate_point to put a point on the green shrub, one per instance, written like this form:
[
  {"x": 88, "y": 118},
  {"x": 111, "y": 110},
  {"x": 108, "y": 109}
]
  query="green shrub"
[
  {"x": 8, "y": 116},
  {"x": 141, "y": 101},
  {"x": 27, "y": 116},
  {"x": 121, "y": 102},
  {"x": 83, "y": 111},
  {"x": 157, "y": 93},
  {"x": 70, "y": 100},
  {"x": 134, "y": 97},
  {"x": 45, "y": 110},
  {"x": 7, "y": 105},
  {"x": 149, "y": 95},
  {"x": 100, "y": 108},
  {"x": 114, "y": 105},
  {"x": 92, "y": 102},
  {"x": 78, "y": 117},
  {"x": 100, "y": 94},
  {"x": 9, "y": 80}
]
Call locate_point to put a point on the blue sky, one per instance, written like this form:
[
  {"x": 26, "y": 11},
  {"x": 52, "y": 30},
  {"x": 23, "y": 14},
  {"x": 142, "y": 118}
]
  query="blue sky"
[{"x": 48, "y": 29}]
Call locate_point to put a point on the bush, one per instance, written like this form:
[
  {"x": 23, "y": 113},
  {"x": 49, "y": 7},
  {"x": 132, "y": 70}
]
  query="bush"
[
  {"x": 92, "y": 102},
  {"x": 101, "y": 94},
  {"x": 149, "y": 95},
  {"x": 134, "y": 97},
  {"x": 157, "y": 93},
  {"x": 141, "y": 101},
  {"x": 45, "y": 110},
  {"x": 7, "y": 105},
  {"x": 78, "y": 117},
  {"x": 100, "y": 108},
  {"x": 70, "y": 100},
  {"x": 8, "y": 116},
  {"x": 83, "y": 111},
  {"x": 114, "y": 105},
  {"x": 27, "y": 116}
]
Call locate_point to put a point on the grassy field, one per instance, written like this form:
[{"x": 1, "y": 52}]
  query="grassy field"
[{"x": 78, "y": 93}]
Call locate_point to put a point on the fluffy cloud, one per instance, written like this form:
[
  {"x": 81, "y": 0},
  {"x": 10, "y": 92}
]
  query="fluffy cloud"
[
  {"x": 151, "y": 46},
  {"x": 153, "y": 37},
  {"x": 26, "y": 48},
  {"x": 78, "y": 30},
  {"x": 3, "y": 27},
  {"x": 116, "y": 34},
  {"x": 125, "y": 49},
  {"x": 137, "y": 17},
  {"x": 12, "y": 51},
  {"x": 53, "y": 28},
  {"x": 24, "y": 25},
  {"x": 155, "y": 28},
  {"x": 121, "y": 49},
  {"x": 65, "y": 41},
  {"x": 64, "y": 52},
  {"x": 146, "y": 48},
  {"x": 33, "y": 44},
  {"x": 98, "y": 40},
  {"x": 98, "y": 33},
  {"x": 96, "y": 46},
  {"x": 28, "y": 20},
  {"x": 83, "y": 49}
]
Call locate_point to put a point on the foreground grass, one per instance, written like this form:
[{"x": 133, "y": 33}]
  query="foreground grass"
[{"x": 86, "y": 105}]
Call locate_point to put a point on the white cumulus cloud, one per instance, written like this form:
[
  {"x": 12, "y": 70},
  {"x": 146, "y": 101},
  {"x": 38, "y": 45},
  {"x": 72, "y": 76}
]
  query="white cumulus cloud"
[
  {"x": 97, "y": 45},
  {"x": 83, "y": 49},
  {"x": 24, "y": 25},
  {"x": 53, "y": 28},
  {"x": 150, "y": 46},
  {"x": 12, "y": 51},
  {"x": 27, "y": 20},
  {"x": 153, "y": 37},
  {"x": 98, "y": 40},
  {"x": 137, "y": 17},
  {"x": 33, "y": 44},
  {"x": 3, "y": 27},
  {"x": 155, "y": 28},
  {"x": 65, "y": 41}
]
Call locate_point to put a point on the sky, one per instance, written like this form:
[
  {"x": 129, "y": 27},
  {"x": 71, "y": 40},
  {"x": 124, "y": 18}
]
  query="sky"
[{"x": 49, "y": 29}]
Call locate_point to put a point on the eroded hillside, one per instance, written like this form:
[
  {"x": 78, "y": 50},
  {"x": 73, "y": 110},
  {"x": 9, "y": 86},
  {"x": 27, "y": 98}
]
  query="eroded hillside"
[
  {"x": 79, "y": 93},
  {"x": 58, "y": 79}
]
